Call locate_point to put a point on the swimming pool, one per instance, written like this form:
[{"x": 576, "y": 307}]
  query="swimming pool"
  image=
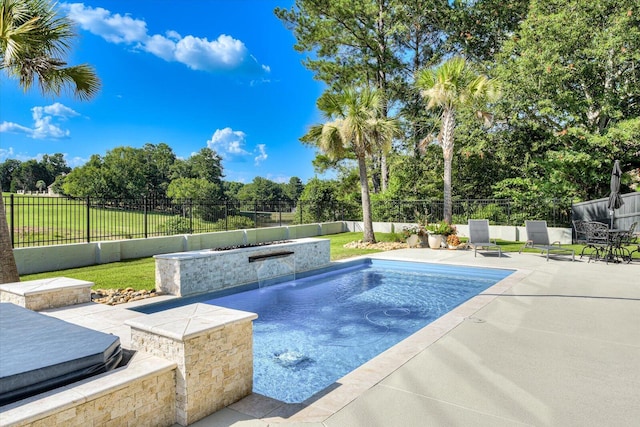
[{"x": 312, "y": 331}]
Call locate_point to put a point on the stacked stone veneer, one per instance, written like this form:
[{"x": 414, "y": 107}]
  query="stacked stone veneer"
[
  {"x": 213, "y": 349},
  {"x": 190, "y": 273},
  {"x": 46, "y": 293},
  {"x": 140, "y": 394}
]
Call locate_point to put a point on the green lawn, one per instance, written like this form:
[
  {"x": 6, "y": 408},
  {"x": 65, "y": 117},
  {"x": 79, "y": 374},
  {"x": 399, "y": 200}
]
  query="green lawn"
[{"x": 140, "y": 273}]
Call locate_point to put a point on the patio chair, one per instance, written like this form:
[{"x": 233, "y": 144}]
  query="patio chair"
[
  {"x": 580, "y": 232},
  {"x": 479, "y": 236},
  {"x": 630, "y": 238},
  {"x": 538, "y": 238},
  {"x": 597, "y": 239},
  {"x": 635, "y": 240}
]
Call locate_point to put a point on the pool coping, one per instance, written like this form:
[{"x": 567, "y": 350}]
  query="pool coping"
[{"x": 345, "y": 390}]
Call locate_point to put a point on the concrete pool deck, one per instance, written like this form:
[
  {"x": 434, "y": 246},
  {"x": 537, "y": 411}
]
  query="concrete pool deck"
[{"x": 557, "y": 343}]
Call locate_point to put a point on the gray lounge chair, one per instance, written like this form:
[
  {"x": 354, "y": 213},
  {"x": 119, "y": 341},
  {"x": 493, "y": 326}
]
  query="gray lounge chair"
[
  {"x": 538, "y": 238},
  {"x": 479, "y": 236}
]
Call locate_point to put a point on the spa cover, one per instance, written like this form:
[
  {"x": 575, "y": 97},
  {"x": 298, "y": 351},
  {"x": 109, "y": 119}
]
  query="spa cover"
[{"x": 39, "y": 353}]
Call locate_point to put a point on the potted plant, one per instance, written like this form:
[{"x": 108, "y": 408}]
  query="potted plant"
[
  {"x": 451, "y": 236},
  {"x": 436, "y": 233},
  {"x": 453, "y": 241},
  {"x": 414, "y": 235}
]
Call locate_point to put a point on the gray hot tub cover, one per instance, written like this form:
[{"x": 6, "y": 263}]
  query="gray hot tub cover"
[{"x": 39, "y": 353}]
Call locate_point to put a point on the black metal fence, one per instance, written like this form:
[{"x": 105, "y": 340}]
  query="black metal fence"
[
  {"x": 41, "y": 220},
  {"x": 556, "y": 212}
]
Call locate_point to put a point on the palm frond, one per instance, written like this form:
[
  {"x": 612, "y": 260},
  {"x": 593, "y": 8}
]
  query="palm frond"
[{"x": 33, "y": 39}]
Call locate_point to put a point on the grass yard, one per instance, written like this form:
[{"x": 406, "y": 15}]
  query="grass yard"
[{"x": 140, "y": 273}]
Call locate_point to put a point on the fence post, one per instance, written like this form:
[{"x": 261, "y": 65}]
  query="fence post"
[
  {"x": 88, "y": 219},
  {"x": 12, "y": 225},
  {"x": 467, "y": 209},
  {"x": 144, "y": 210},
  {"x": 190, "y": 202},
  {"x": 255, "y": 213},
  {"x": 280, "y": 212},
  {"x": 226, "y": 215}
]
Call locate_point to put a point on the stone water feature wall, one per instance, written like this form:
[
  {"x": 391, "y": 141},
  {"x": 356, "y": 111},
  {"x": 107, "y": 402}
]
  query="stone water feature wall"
[
  {"x": 195, "y": 272},
  {"x": 212, "y": 348}
]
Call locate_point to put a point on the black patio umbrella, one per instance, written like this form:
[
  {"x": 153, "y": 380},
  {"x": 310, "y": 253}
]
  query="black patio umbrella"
[{"x": 615, "y": 201}]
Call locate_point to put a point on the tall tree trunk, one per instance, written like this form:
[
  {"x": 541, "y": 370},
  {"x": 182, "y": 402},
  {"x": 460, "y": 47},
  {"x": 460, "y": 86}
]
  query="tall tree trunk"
[
  {"x": 448, "y": 127},
  {"x": 368, "y": 237},
  {"x": 384, "y": 171},
  {"x": 8, "y": 269}
]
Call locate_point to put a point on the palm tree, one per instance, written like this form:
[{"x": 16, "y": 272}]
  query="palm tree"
[
  {"x": 355, "y": 126},
  {"x": 33, "y": 38},
  {"x": 8, "y": 268},
  {"x": 450, "y": 87}
]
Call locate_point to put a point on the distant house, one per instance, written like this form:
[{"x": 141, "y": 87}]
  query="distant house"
[{"x": 51, "y": 192}]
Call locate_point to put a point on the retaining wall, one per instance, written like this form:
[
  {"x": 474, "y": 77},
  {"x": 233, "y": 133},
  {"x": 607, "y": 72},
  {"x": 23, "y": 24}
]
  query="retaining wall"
[
  {"x": 60, "y": 257},
  {"x": 504, "y": 232}
]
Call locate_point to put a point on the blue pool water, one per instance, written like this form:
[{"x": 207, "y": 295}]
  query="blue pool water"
[{"x": 312, "y": 331}]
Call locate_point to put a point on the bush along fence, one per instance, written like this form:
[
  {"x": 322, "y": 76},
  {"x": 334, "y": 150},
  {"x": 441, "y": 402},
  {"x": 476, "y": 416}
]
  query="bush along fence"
[{"x": 41, "y": 220}]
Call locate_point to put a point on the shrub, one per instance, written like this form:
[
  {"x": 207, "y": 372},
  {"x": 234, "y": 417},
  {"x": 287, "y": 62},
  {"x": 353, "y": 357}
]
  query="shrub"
[{"x": 176, "y": 225}]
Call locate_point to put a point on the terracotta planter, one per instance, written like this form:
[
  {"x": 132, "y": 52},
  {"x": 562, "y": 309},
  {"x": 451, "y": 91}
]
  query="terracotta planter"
[{"x": 435, "y": 241}]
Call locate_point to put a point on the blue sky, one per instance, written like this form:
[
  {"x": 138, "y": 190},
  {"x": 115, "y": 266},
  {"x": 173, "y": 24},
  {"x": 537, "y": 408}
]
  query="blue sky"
[{"x": 189, "y": 73}]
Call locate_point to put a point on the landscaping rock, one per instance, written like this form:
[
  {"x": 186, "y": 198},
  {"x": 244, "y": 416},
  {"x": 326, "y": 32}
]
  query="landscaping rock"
[
  {"x": 384, "y": 246},
  {"x": 120, "y": 296}
]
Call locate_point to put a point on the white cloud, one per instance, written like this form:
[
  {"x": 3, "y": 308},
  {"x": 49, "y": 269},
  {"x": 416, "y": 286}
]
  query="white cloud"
[
  {"x": 161, "y": 47},
  {"x": 76, "y": 161},
  {"x": 228, "y": 141},
  {"x": 44, "y": 122},
  {"x": 9, "y": 153},
  {"x": 223, "y": 54},
  {"x": 5, "y": 153},
  {"x": 261, "y": 149},
  {"x": 281, "y": 179},
  {"x": 59, "y": 110},
  {"x": 114, "y": 28},
  {"x": 14, "y": 128}
]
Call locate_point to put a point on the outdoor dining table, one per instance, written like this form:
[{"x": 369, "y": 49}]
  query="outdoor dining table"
[{"x": 615, "y": 252}]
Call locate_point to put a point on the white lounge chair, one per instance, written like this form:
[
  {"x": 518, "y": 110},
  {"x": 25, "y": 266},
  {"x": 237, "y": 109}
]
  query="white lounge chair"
[
  {"x": 479, "y": 236},
  {"x": 538, "y": 238}
]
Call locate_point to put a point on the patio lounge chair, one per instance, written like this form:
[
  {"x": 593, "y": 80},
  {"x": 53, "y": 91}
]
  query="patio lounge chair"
[
  {"x": 479, "y": 236},
  {"x": 538, "y": 238}
]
